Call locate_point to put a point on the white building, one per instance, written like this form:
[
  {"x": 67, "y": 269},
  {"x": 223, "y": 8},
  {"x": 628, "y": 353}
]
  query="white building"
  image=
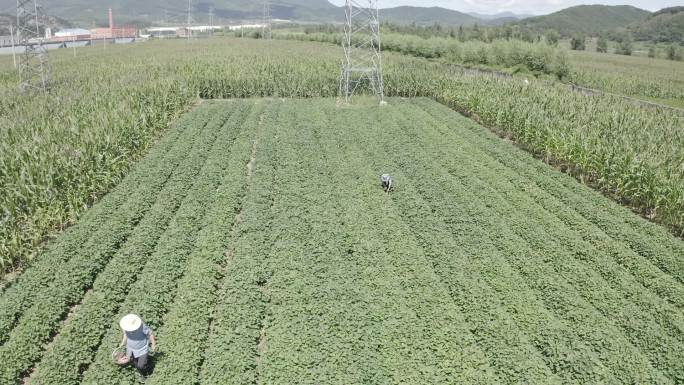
[
  {"x": 245, "y": 26},
  {"x": 167, "y": 32},
  {"x": 72, "y": 32},
  {"x": 162, "y": 32},
  {"x": 5, "y": 41}
]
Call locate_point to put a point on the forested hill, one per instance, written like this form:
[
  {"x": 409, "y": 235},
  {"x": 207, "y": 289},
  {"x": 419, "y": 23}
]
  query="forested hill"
[
  {"x": 88, "y": 12},
  {"x": 588, "y": 19},
  {"x": 666, "y": 25},
  {"x": 428, "y": 16}
]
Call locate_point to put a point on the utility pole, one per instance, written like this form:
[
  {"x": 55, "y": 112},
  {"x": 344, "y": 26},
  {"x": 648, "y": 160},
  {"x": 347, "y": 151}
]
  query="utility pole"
[
  {"x": 14, "y": 53},
  {"x": 266, "y": 32},
  {"x": 211, "y": 21},
  {"x": 34, "y": 67},
  {"x": 362, "y": 49},
  {"x": 189, "y": 24}
]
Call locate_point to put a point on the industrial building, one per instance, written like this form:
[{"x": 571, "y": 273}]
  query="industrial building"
[
  {"x": 113, "y": 32},
  {"x": 5, "y": 41},
  {"x": 71, "y": 34},
  {"x": 173, "y": 32}
]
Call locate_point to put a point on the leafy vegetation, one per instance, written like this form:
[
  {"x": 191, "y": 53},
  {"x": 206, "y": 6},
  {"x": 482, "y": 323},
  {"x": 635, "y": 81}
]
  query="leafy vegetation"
[
  {"x": 665, "y": 26},
  {"x": 537, "y": 58},
  {"x": 578, "y": 43},
  {"x": 62, "y": 152},
  {"x": 640, "y": 77},
  {"x": 483, "y": 266}
]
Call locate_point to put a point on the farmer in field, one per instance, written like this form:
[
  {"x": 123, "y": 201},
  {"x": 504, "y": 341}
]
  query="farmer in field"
[
  {"x": 137, "y": 338},
  {"x": 387, "y": 181}
]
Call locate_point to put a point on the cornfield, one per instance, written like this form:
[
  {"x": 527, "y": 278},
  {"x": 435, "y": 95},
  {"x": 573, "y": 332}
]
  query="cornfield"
[{"x": 59, "y": 153}]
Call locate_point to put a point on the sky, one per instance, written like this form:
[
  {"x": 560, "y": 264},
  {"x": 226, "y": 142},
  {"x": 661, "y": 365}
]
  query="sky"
[{"x": 536, "y": 7}]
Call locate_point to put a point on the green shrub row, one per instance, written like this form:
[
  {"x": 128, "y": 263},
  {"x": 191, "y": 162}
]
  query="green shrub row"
[
  {"x": 646, "y": 322},
  {"x": 21, "y": 294},
  {"x": 37, "y": 324},
  {"x": 79, "y": 338},
  {"x": 538, "y": 58},
  {"x": 389, "y": 272},
  {"x": 156, "y": 285},
  {"x": 230, "y": 352},
  {"x": 185, "y": 331},
  {"x": 62, "y": 152}
]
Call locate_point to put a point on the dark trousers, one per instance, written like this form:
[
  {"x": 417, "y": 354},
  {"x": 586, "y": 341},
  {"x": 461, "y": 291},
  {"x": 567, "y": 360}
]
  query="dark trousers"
[{"x": 141, "y": 364}]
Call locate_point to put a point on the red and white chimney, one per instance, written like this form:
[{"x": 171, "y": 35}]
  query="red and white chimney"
[{"x": 111, "y": 21}]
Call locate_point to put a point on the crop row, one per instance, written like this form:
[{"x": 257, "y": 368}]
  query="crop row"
[
  {"x": 587, "y": 311},
  {"x": 97, "y": 134},
  {"x": 73, "y": 277},
  {"x": 186, "y": 327},
  {"x": 63, "y": 151},
  {"x": 647, "y": 268},
  {"x": 418, "y": 305},
  {"x": 552, "y": 242},
  {"x": 521, "y": 338},
  {"x": 77, "y": 340},
  {"x": 614, "y": 222},
  {"x": 231, "y": 351},
  {"x": 21, "y": 293},
  {"x": 268, "y": 253},
  {"x": 156, "y": 286},
  {"x": 635, "y": 76},
  {"x": 366, "y": 315},
  {"x": 505, "y": 317}
]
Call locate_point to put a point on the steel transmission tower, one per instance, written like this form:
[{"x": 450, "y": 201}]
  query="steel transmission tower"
[
  {"x": 211, "y": 21},
  {"x": 34, "y": 67},
  {"x": 188, "y": 31},
  {"x": 266, "y": 32},
  {"x": 362, "y": 50}
]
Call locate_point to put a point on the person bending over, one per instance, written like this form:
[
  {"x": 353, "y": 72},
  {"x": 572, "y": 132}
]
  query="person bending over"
[
  {"x": 387, "y": 182},
  {"x": 137, "y": 337}
]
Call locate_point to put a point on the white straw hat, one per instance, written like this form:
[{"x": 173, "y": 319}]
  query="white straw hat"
[{"x": 130, "y": 323}]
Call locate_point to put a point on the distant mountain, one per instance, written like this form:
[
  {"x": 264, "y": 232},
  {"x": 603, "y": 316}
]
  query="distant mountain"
[
  {"x": 666, "y": 25},
  {"x": 86, "y": 13},
  {"x": 6, "y": 20},
  {"x": 427, "y": 16},
  {"x": 588, "y": 19},
  {"x": 502, "y": 15}
]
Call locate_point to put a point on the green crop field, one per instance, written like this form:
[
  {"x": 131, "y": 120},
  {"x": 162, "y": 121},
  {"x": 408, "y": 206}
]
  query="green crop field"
[
  {"x": 255, "y": 239},
  {"x": 61, "y": 152},
  {"x": 658, "y": 80}
]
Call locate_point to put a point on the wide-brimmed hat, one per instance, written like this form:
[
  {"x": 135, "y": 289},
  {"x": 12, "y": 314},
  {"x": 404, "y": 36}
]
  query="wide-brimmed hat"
[{"x": 130, "y": 323}]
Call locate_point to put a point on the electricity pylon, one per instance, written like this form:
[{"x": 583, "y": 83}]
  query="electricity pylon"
[
  {"x": 266, "y": 32},
  {"x": 188, "y": 31},
  {"x": 211, "y": 21},
  {"x": 34, "y": 66},
  {"x": 362, "y": 50}
]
